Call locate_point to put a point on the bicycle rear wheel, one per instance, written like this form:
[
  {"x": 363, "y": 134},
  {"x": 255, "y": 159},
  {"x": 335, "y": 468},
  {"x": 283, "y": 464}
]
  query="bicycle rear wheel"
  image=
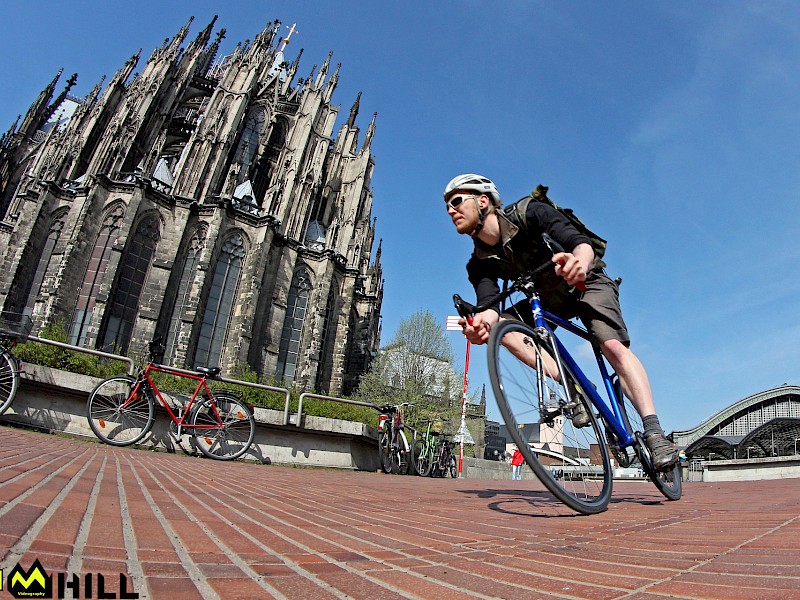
[
  {"x": 9, "y": 379},
  {"x": 225, "y": 433},
  {"x": 120, "y": 411},
  {"x": 572, "y": 462},
  {"x": 451, "y": 468},
  {"x": 667, "y": 482}
]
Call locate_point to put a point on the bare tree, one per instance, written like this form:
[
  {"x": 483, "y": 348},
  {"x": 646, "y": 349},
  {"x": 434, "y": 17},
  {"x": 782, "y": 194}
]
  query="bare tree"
[{"x": 416, "y": 366}]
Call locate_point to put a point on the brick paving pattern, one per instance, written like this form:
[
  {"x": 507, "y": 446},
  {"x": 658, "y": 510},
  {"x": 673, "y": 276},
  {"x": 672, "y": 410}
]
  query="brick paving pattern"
[{"x": 185, "y": 527}]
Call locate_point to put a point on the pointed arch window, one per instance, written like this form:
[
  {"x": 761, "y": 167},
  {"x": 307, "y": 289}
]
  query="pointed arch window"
[
  {"x": 330, "y": 322},
  {"x": 190, "y": 264},
  {"x": 132, "y": 273},
  {"x": 268, "y": 163},
  {"x": 247, "y": 147},
  {"x": 45, "y": 260},
  {"x": 95, "y": 271},
  {"x": 296, "y": 307},
  {"x": 221, "y": 296}
]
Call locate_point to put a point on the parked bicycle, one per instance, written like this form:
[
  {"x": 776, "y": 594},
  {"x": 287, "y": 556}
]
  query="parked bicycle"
[
  {"x": 445, "y": 463},
  {"x": 425, "y": 449},
  {"x": 542, "y": 383},
  {"x": 393, "y": 448},
  {"x": 121, "y": 410},
  {"x": 14, "y": 328}
]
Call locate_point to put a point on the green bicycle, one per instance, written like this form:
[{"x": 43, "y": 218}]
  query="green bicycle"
[{"x": 425, "y": 450}]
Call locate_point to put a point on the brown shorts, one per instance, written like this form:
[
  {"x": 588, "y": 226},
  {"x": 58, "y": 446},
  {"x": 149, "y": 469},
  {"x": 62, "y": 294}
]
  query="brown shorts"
[{"x": 598, "y": 308}]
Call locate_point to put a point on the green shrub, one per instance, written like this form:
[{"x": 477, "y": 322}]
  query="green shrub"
[{"x": 66, "y": 360}]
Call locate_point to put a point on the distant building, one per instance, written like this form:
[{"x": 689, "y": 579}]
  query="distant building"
[
  {"x": 765, "y": 424},
  {"x": 204, "y": 201},
  {"x": 495, "y": 444}
]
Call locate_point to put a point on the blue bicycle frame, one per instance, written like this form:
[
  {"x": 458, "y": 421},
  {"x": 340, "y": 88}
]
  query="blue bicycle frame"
[{"x": 611, "y": 415}]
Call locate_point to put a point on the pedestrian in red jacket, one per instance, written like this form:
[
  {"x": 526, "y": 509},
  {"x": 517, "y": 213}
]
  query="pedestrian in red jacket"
[{"x": 516, "y": 464}]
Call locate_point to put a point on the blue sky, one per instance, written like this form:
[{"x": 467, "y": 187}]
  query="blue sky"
[{"x": 672, "y": 128}]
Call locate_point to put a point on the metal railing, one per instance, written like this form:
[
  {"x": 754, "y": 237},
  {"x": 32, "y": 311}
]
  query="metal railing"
[
  {"x": 304, "y": 395},
  {"x": 125, "y": 359}
]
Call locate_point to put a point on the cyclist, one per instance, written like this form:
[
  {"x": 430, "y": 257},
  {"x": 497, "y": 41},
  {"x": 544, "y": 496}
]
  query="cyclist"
[{"x": 505, "y": 250}]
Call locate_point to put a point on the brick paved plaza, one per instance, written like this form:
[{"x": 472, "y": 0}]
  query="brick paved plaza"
[{"x": 184, "y": 527}]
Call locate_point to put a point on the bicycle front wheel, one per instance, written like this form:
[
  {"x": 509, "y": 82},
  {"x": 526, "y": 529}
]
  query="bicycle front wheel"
[
  {"x": 422, "y": 457},
  {"x": 9, "y": 380},
  {"x": 225, "y": 433},
  {"x": 120, "y": 411},
  {"x": 572, "y": 461},
  {"x": 385, "y": 451}
]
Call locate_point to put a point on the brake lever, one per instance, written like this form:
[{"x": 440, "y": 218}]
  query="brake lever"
[
  {"x": 464, "y": 308},
  {"x": 555, "y": 248}
]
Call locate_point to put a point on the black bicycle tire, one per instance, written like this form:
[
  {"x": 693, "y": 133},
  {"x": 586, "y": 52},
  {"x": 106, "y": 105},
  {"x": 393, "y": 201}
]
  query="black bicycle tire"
[
  {"x": 9, "y": 379},
  {"x": 452, "y": 466},
  {"x": 401, "y": 463},
  {"x": 600, "y": 502},
  {"x": 385, "y": 451},
  {"x": 98, "y": 430},
  {"x": 422, "y": 459},
  {"x": 243, "y": 415},
  {"x": 658, "y": 478}
]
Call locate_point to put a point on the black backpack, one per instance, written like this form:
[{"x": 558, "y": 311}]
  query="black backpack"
[{"x": 516, "y": 212}]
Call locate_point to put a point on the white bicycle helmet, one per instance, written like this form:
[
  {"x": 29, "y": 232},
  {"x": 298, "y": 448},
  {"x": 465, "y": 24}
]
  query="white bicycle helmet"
[
  {"x": 470, "y": 182},
  {"x": 473, "y": 183}
]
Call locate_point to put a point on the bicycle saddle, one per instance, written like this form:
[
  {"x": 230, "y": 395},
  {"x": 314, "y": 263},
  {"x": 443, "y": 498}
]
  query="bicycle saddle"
[{"x": 209, "y": 371}]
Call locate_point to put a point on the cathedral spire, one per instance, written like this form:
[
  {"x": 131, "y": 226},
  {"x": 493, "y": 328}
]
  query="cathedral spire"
[
  {"x": 332, "y": 82},
  {"x": 370, "y": 132},
  {"x": 35, "y": 117},
  {"x": 351, "y": 120},
  {"x": 210, "y": 53},
  {"x": 61, "y": 97},
  {"x": 323, "y": 72},
  {"x": 11, "y": 131},
  {"x": 121, "y": 76},
  {"x": 202, "y": 38},
  {"x": 181, "y": 37}
]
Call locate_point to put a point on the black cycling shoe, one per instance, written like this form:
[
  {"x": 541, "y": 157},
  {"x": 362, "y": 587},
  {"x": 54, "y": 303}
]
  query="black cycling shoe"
[
  {"x": 662, "y": 451},
  {"x": 580, "y": 416}
]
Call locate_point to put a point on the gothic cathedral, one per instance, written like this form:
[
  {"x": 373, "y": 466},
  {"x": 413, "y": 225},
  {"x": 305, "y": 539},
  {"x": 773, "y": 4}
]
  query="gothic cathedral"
[{"x": 205, "y": 202}]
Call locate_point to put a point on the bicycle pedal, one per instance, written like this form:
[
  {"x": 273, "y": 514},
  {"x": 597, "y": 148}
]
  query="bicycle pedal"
[{"x": 175, "y": 431}]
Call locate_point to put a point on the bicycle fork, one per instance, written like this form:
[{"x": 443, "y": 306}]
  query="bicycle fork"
[{"x": 550, "y": 405}]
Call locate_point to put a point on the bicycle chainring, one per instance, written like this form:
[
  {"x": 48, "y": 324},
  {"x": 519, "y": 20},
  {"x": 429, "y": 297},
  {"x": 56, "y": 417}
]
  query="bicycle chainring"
[{"x": 623, "y": 458}]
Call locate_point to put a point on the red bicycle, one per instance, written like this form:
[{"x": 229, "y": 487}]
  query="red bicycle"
[{"x": 121, "y": 411}]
